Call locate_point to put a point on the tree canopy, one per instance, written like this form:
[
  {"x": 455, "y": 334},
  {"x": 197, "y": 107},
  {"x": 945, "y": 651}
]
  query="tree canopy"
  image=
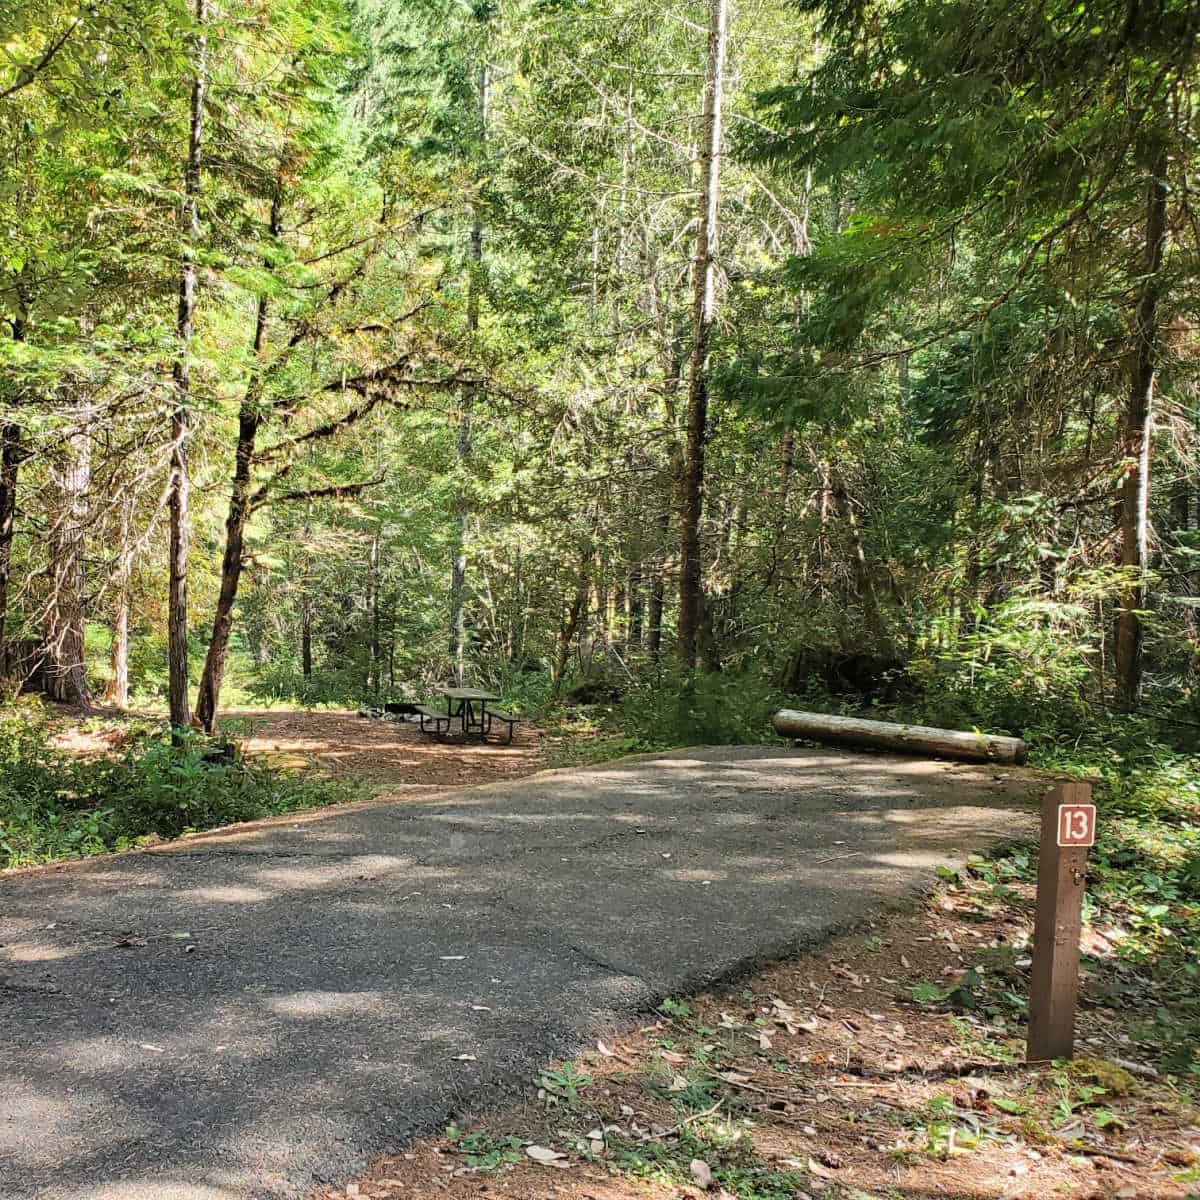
[{"x": 349, "y": 346}]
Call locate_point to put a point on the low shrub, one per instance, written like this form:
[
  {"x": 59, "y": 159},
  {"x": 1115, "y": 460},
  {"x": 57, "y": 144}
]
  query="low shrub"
[
  {"x": 715, "y": 708},
  {"x": 54, "y": 806}
]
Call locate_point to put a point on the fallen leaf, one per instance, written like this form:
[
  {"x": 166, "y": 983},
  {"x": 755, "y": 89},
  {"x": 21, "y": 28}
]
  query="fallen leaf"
[
  {"x": 464, "y": 1058},
  {"x": 547, "y": 1157},
  {"x": 701, "y": 1173},
  {"x": 603, "y": 1050},
  {"x": 672, "y": 1057},
  {"x": 678, "y": 1084}
]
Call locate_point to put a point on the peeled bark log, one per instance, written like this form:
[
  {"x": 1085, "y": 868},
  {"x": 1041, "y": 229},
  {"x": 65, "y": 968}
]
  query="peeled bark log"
[{"x": 909, "y": 739}]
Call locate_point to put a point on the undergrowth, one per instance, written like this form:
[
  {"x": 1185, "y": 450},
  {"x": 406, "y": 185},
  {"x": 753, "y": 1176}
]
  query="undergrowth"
[{"x": 56, "y": 806}]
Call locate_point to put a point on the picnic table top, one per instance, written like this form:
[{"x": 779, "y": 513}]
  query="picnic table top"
[{"x": 467, "y": 694}]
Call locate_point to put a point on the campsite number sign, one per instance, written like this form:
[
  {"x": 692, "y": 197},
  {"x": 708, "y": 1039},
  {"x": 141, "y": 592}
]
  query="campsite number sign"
[
  {"x": 1068, "y": 829},
  {"x": 1076, "y": 824}
]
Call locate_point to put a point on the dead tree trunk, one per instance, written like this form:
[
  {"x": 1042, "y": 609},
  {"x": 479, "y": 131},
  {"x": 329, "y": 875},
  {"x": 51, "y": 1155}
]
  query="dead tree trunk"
[
  {"x": 1135, "y": 440},
  {"x": 909, "y": 739},
  {"x": 691, "y": 597},
  {"x": 180, "y": 519}
]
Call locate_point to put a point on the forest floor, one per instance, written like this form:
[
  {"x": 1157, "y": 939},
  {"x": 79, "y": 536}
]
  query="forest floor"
[
  {"x": 841, "y": 1075},
  {"x": 387, "y": 756}
]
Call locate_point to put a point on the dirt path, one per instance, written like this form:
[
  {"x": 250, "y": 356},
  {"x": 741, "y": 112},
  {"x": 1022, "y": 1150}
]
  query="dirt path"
[{"x": 388, "y": 756}]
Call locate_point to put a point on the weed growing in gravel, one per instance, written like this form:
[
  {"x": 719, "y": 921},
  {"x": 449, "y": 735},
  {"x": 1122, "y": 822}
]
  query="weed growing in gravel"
[
  {"x": 485, "y": 1151},
  {"x": 562, "y": 1084}
]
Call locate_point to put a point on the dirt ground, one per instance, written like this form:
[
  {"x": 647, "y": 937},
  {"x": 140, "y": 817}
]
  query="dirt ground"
[
  {"x": 388, "y": 756},
  {"x": 825, "y": 1077}
]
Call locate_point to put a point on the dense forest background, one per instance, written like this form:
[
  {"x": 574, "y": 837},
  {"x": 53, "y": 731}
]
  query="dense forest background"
[
  {"x": 721, "y": 349},
  {"x": 653, "y": 366}
]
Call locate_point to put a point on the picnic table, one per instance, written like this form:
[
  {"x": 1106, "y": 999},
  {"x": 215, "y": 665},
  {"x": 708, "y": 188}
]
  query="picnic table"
[
  {"x": 468, "y": 708},
  {"x": 471, "y": 707}
]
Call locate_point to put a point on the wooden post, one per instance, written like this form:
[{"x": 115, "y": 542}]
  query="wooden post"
[{"x": 1068, "y": 829}]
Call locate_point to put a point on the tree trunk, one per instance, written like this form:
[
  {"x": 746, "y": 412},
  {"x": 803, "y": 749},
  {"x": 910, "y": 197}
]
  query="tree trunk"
[
  {"x": 118, "y": 689},
  {"x": 1135, "y": 439},
  {"x": 570, "y": 627},
  {"x": 691, "y": 598},
  {"x": 636, "y": 603},
  {"x": 209, "y": 694},
  {"x": 458, "y": 574},
  {"x": 66, "y": 668},
  {"x": 374, "y": 676},
  {"x": 249, "y": 421},
  {"x": 11, "y": 454},
  {"x": 180, "y": 520},
  {"x": 865, "y": 585},
  {"x": 458, "y": 571},
  {"x": 306, "y": 635},
  {"x": 658, "y": 589}
]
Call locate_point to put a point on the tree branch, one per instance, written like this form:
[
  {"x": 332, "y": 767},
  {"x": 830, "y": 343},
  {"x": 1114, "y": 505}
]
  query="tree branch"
[
  {"x": 335, "y": 491},
  {"x": 43, "y": 62}
]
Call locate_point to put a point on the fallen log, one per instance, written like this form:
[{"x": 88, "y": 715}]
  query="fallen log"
[{"x": 910, "y": 739}]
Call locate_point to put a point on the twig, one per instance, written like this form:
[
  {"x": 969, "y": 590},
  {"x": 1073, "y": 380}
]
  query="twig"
[
  {"x": 708, "y": 1112},
  {"x": 1096, "y": 1152}
]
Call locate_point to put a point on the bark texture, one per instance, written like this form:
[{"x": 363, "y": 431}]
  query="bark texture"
[
  {"x": 458, "y": 569},
  {"x": 66, "y": 667},
  {"x": 1136, "y": 438},
  {"x": 691, "y": 595},
  {"x": 178, "y": 497},
  {"x": 250, "y": 417}
]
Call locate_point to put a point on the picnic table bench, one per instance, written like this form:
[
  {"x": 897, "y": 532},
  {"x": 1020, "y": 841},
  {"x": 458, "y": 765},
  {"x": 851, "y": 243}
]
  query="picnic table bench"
[{"x": 468, "y": 708}]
